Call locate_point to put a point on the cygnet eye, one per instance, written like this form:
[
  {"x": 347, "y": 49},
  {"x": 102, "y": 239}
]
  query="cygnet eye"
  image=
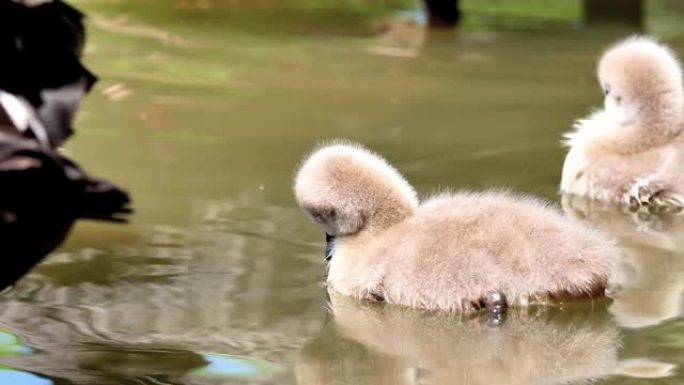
[
  {"x": 317, "y": 217},
  {"x": 618, "y": 99},
  {"x": 606, "y": 90}
]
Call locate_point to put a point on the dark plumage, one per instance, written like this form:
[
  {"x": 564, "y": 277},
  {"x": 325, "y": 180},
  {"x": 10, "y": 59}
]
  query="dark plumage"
[
  {"x": 41, "y": 48},
  {"x": 42, "y": 194},
  {"x": 41, "y": 84}
]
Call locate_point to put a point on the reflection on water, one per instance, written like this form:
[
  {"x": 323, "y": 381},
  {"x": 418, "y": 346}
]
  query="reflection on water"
[
  {"x": 219, "y": 273},
  {"x": 648, "y": 284},
  {"x": 10, "y": 376},
  {"x": 154, "y": 307},
  {"x": 376, "y": 344},
  {"x": 10, "y": 345},
  {"x": 224, "y": 366}
]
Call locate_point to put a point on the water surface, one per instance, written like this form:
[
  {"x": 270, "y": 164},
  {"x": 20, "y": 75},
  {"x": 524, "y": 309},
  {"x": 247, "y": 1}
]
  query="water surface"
[{"x": 204, "y": 110}]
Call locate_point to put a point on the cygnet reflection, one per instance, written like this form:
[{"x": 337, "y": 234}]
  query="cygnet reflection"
[
  {"x": 374, "y": 343},
  {"x": 647, "y": 286}
]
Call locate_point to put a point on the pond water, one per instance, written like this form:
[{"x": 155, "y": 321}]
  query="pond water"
[{"x": 203, "y": 112}]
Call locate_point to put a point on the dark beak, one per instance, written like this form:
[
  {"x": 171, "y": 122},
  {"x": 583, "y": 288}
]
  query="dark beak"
[{"x": 329, "y": 242}]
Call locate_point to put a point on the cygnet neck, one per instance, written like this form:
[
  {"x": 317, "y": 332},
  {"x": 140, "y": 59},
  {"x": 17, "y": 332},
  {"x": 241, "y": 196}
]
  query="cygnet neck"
[
  {"x": 655, "y": 125},
  {"x": 387, "y": 216}
]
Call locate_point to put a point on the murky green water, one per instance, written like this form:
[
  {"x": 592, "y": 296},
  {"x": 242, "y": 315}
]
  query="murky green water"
[{"x": 204, "y": 111}]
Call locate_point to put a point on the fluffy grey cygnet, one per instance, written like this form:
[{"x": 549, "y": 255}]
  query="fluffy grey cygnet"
[
  {"x": 631, "y": 150},
  {"x": 449, "y": 251}
]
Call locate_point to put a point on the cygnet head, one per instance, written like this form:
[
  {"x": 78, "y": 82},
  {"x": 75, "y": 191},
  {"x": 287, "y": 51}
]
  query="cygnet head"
[
  {"x": 642, "y": 82},
  {"x": 347, "y": 188}
]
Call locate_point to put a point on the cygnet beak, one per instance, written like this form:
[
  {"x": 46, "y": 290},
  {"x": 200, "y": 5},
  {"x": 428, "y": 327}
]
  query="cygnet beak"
[{"x": 329, "y": 242}]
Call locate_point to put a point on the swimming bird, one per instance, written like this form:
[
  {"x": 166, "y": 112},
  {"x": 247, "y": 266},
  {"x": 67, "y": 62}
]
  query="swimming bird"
[
  {"x": 631, "y": 150},
  {"x": 454, "y": 251}
]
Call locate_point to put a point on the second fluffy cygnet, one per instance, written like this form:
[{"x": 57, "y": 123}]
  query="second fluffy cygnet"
[
  {"x": 449, "y": 252},
  {"x": 631, "y": 150}
]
